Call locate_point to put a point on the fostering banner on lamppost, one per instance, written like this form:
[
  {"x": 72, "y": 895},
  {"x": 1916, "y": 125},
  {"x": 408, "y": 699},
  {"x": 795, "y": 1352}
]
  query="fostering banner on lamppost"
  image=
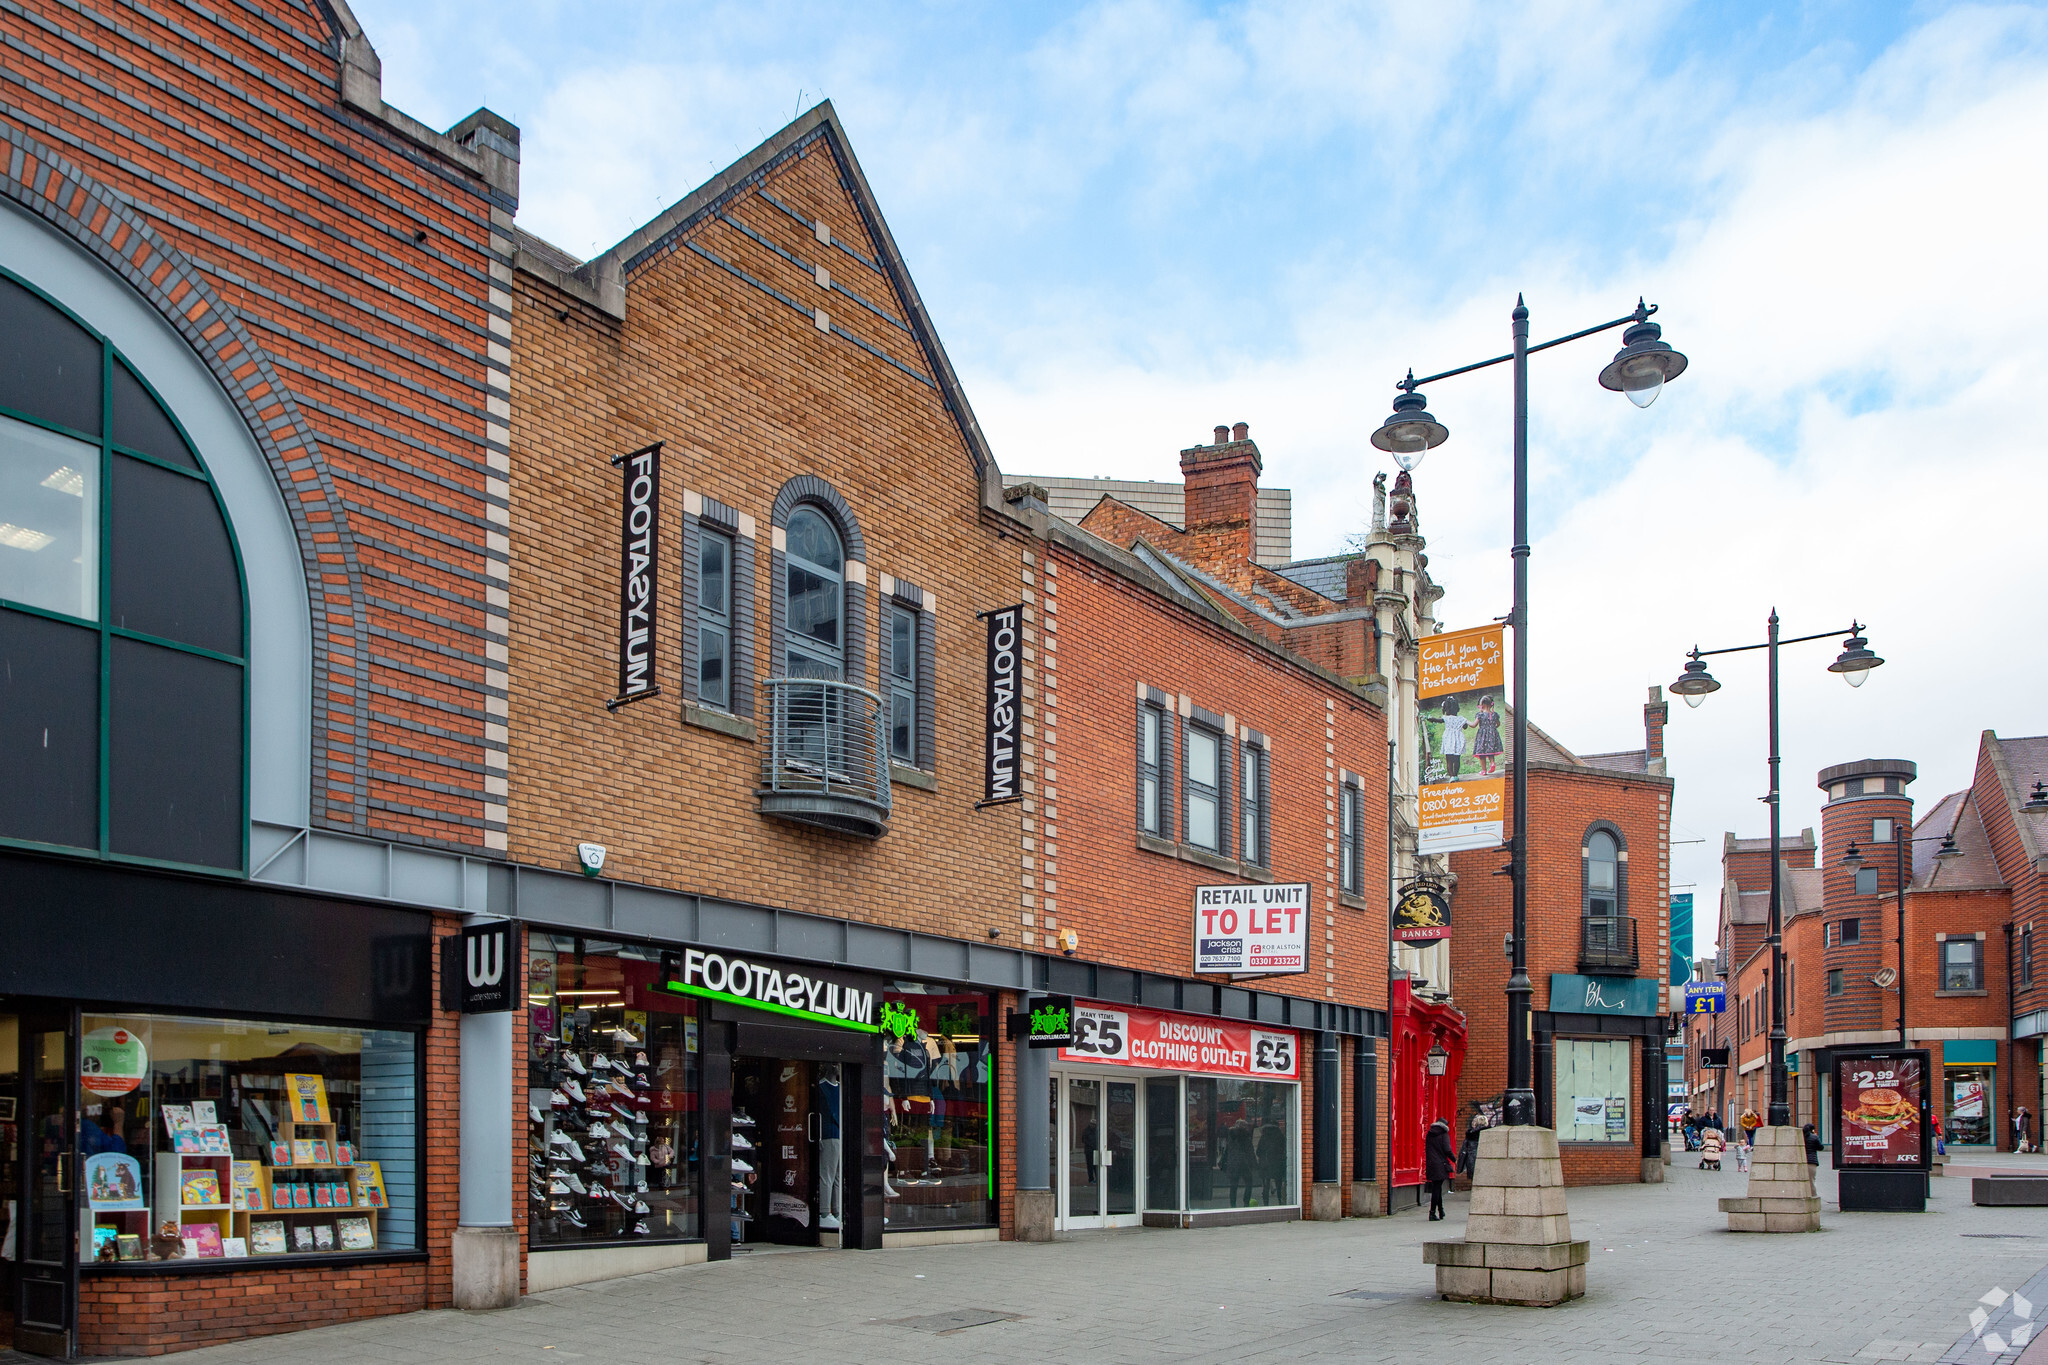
[
  {"x": 639, "y": 541},
  {"x": 1462, "y": 724}
]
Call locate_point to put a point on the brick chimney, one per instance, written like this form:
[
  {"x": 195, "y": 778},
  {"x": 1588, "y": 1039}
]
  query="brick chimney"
[
  {"x": 1222, "y": 493},
  {"x": 1656, "y": 712},
  {"x": 1361, "y": 581}
]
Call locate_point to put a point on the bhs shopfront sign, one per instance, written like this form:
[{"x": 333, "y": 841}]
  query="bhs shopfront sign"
[
  {"x": 770, "y": 987},
  {"x": 1571, "y": 994},
  {"x": 1252, "y": 929},
  {"x": 1181, "y": 1042}
]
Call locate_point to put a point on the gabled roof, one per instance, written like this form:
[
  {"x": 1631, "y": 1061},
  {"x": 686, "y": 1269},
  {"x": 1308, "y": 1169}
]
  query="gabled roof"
[
  {"x": 2020, "y": 763},
  {"x": 604, "y": 279},
  {"x": 1975, "y": 868}
]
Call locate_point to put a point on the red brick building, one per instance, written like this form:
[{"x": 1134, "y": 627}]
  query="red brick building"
[
  {"x": 1968, "y": 919},
  {"x": 254, "y": 323}
]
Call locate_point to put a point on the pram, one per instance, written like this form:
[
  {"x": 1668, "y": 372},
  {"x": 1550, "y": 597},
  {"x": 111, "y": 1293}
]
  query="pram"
[{"x": 1710, "y": 1150}]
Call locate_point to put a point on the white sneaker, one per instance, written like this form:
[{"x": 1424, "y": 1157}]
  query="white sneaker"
[
  {"x": 599, "y": 1130},
  {"x": 742, "y": 1167},
  {"x": 626, "y": 1036},
  {"x": 533, "y": 1112},
  {"x": 574, "y": 1182},
  {"x": 576, "y": 1065},
  {"x": 740, "y": 1143},
  {"x": 572, "y": 1089}
]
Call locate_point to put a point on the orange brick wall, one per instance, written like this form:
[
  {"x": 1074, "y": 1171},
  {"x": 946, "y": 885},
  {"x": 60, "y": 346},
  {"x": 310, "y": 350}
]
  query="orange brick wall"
[
  {"x": 1563, "y": 805},
  {"x": 137, "y": 1315},
  {"x": 747, "y": 393},
  {"x": 335, "y": 276}
]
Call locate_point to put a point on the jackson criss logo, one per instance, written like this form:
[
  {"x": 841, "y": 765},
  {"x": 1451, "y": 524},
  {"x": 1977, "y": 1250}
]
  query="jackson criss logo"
[
  {"x": 639, "y": 541},
  {"x": 2018, "y": 1312}
]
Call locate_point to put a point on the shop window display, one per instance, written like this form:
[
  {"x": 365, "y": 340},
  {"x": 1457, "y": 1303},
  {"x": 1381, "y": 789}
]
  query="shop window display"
[
  {"x": 936, "y": 1101},
  {"x": 1968, "y": 1118},
  {"x": 612, "y": 1097},
  {"x": 205, "y": 1138},
  {"x": 1592, "y": 1089},
  {"x": 1241, "y": 1144}
]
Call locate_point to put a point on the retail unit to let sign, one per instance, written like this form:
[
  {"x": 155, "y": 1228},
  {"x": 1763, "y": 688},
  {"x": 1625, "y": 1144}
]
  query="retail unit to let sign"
[
  {"x": 1129, "y": 1036},
  {"x": 1252, "y": 929},
  {"x": 1881, "y": 1104},
  {"x": 1462, "y": 719},
  {"x": 1706, "y": 997}
]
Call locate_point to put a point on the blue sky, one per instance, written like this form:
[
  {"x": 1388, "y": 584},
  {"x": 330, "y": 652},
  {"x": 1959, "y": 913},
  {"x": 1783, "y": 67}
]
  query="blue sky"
[{"x": 1136, "y": 219}]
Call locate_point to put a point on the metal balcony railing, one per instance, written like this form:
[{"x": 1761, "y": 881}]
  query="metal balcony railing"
[
  {"x": 1607, "y": 944},
  {"x": 823, "y": 760}
]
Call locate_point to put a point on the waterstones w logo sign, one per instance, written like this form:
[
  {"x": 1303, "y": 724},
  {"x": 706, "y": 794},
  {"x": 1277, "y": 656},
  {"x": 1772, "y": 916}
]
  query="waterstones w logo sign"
[
  {"x": 1005, "y": 643},
  {"x": 639, "y": 544},
  {"x": 479, "y": 968}
]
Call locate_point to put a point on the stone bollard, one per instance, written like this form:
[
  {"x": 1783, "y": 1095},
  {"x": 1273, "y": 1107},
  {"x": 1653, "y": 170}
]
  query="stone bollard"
[
  {"x": 1781, "y": 1197},
  {"x": 1518, "y": 1245}
]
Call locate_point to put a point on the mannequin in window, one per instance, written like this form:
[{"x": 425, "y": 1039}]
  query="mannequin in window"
[{"x": 831, "y": 1163}]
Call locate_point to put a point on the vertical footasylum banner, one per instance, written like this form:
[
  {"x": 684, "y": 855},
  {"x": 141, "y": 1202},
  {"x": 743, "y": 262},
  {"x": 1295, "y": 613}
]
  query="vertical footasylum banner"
[{"x": 1465, "y": 738}]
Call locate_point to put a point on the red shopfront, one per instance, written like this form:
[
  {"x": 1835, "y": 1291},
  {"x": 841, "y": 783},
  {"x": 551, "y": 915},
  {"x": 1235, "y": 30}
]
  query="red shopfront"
[
  {"x": 1175, "y": 1120},
  {"x": 1428, "y": 1052}
]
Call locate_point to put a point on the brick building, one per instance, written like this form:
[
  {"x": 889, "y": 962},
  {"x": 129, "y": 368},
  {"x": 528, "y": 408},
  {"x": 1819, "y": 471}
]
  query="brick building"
[
  {"x": 1598, "y": 912},
  {"x": 1967, "y": 919},
  {"x": 253, "y": 375}
]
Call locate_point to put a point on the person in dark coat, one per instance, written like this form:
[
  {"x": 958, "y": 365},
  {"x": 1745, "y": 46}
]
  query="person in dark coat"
[
  {"x": 1438, "y": 1162},
  {"x": 1468, "y": 1150},
  {"x": 1812, "y": 1145}
]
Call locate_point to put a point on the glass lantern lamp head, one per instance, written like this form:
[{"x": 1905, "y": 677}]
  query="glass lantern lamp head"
[
  {"x": 1853, "y": 858},
  {"x": 1695, "y": 682},
  {"x": 1948, "y": 847},
  {"x": 2038, "y": 800},
  {"x": 1645, "y": 363},
  {"x": 1410, "y": 433},
  {"x": 1855, "y": 661}
]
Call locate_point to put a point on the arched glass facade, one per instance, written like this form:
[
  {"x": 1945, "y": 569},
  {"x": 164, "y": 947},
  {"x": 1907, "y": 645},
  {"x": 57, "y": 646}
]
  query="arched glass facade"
[{"x": 123, "y": 616}]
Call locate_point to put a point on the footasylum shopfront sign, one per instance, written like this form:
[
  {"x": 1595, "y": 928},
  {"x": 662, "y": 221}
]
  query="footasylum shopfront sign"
[{"x": 771, "y": 987}]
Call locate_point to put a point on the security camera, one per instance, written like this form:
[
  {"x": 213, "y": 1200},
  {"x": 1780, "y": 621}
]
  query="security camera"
[{"x": 592, "y": 858}]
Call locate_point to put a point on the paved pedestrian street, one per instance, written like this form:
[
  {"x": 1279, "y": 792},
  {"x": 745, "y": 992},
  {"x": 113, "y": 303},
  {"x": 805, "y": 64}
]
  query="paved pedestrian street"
[{"x": 1666, "y": 1282}]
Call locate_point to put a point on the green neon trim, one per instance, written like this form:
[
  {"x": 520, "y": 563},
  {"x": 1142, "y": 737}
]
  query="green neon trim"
[{"x": 707, "y": 993}]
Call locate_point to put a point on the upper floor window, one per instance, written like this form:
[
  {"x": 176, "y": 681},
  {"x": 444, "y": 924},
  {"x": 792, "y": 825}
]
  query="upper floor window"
[
  {"x": 1204, "y": 788},
  {"x": 1849, "y": 931},
  {"x": 1962, "y": 964},
  {"x": 123, "y": 709},
  {"x": 1880, "y": 831},
  {"x": 1351, "y": 839},
  {"x": 816, "y": 596},
  {"x": 1834, "y": 981},
  {"x": 902, "y": 682},
  {"x": 1154, "y": 748},
  {"x": 1251, "y": 806},
  {"x": 2025, "y": 966},
  {"x": 1603, "y": 876},
  {"x": 714, "y": 618},
  {"x": 1866, "y": 881}
]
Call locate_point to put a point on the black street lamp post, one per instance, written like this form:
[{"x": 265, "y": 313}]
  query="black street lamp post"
[
  {"x": 1854, "y": 861},
  {"x": 1854, "y": 664},
  {"x": 1640, "y": 370}
]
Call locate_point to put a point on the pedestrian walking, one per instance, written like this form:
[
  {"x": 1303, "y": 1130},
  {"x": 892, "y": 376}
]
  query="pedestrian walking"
[
  {"x": 1751, "y": 1121},
  {"x": 1812, "y": 1145},
  {"x": 1438, "y": 1162},
  {"x": 2021, "y": 1130},
  {"x": 1940, "y": 1138}
]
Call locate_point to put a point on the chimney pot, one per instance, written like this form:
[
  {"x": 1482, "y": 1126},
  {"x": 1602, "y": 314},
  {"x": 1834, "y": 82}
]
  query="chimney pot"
[
  {"x": 1238, "y": 432},
  {"x": 1222, "y": 435}
]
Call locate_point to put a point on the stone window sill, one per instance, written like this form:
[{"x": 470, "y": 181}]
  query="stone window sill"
[
  {"x": 1345, "y": 898},
  {"x": 1202, "y": 857},
  {"x": 901, "y": 776},
  {"x": 705, "y": 718},
  {"x": 1961, "y": 993}
]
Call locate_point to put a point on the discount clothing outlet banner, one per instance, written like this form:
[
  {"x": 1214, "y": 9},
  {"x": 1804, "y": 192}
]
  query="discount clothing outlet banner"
[
  {"x": 1462, "y": 719},
  {"x": 1157, "y": 1041},
  {"x": 1252, "y": 929}
]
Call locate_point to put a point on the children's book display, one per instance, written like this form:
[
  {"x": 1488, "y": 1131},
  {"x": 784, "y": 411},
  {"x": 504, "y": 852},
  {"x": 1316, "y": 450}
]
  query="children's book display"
[{"x": 219, "y": 1206}]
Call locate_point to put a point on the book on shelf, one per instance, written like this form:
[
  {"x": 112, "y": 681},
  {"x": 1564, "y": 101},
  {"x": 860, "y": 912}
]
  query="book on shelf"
[
  {"x": 266, "y": 1237},
  {"x": 303, "y": 1150},
  {"x": 248, "y": 1187},
  {"x": 321, "y": 1155},
  {"x": 306, "y": 1097},
  {"x": 323, "y": 1236},
  {"x": 202, "y": 1239},
  {"x": 103, "y": 1239},
  {"x": 344, "y": 1154},
  {"x": 356, "y": 1234},
  {"x": 176, "y": 1117},
  {"x": 199, "y": 1187},
  {"x": 370, "y": 1184},
  {"x": 232, "y": 1247},
  {"x": 128, "y": 1247},
  {"x": 280, "y": 1154},
  {"x": 302, "y": 1237},
  {"x": 204, "y": 1113},
  {"x": 323, "y": 1195},
  {"x": 213, "y": 1140}
]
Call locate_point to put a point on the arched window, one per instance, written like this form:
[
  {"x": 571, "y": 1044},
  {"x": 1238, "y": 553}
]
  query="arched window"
[
  {"x": 816, "y": 587},
  {"x": 123, "y": 622},
  {"x": 1603, "y": 876}
]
